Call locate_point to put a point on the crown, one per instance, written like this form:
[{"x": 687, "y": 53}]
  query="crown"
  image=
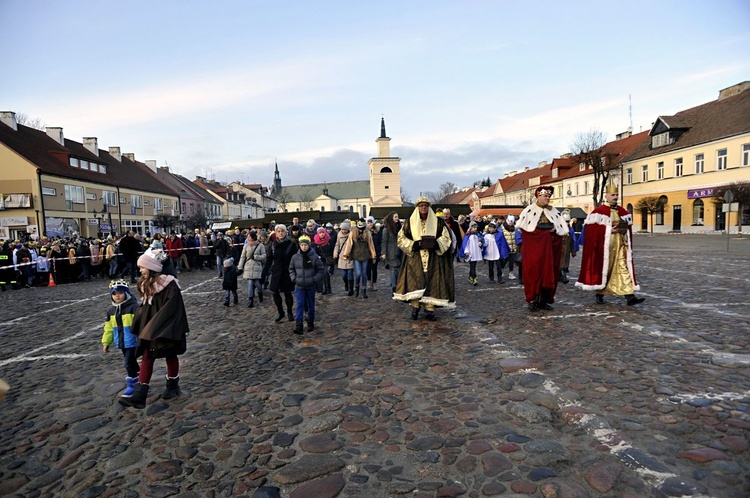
[
  {"x": 611, "y": 189},
  {"x": 421, "y": 199}
]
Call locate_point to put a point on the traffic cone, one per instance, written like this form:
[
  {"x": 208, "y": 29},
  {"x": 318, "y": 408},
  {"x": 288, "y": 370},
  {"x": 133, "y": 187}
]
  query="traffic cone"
[{"x": 51, "y": 281}]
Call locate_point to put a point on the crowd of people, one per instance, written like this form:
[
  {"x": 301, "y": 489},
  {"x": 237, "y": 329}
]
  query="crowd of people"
[{"x": 297, "y": 262}]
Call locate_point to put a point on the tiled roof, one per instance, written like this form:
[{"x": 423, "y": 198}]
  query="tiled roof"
[
  {"x": 53, "y": 159},
  {"x": 714, "y": 120},
  {"x": 461, "y": 197},
  {"x": 49, "y": 156},
  {"x": 337, "y": 190},
  {"x": 520, "y": 181},
  {"x": 186, "y": 191},
  {"x": 207, "y": 197}
]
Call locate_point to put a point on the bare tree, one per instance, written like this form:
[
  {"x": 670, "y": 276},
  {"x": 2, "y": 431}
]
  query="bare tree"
[
  {"x": 165, "y": 221},
  {"x": 282, "y": 199},
  {"x": 26, "y": 120},
  {"x": 405, "y": 198},
  {"x": 651, "y": 204},
  {"x": 445, "y": 190},
  {"x": 197, "y": 220},
  {"x": 588, "y": 149},
  {"x": 741, "y": 192},
  {"x": 435, "y": 197},
  {"x": 307, "y": 201}
]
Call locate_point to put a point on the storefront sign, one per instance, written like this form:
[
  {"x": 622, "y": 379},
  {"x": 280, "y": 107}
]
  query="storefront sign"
[
  {"x": 701, "y": 192},
  {"x": 13, "y": 221}
]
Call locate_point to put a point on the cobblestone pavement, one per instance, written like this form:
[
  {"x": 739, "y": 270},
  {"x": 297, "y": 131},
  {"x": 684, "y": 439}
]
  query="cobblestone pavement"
[{"x": 581, "y": 401}]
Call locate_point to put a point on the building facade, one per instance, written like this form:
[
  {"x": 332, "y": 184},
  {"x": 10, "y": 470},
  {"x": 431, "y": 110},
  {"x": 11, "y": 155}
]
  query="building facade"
[
  {"x": 57, "y": 187},
  {"x": 686, "y": 158}
]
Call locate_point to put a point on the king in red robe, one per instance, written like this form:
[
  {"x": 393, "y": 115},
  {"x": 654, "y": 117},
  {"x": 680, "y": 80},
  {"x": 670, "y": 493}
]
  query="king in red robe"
[
  {"x": 607, "y": 260},
  {"x": 542, "y": 228}
]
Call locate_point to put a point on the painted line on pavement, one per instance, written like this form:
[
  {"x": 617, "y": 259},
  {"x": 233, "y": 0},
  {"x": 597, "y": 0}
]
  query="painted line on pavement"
[{"x": 595, "y": 425}]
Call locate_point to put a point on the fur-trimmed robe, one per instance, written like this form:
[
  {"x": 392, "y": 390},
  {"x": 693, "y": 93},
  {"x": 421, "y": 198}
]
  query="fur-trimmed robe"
[
  {"x": 596, "y": 235},
  {"x": 435, "y": 287}
]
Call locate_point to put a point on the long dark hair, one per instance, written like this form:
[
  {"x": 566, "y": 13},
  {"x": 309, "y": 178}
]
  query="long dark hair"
[{"x": 391, "y": 224}]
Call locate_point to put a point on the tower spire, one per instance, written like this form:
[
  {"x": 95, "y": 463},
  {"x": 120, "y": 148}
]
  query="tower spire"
[
  {"x": 382, "y": 128},
  {"x": 276, "y": 179}
]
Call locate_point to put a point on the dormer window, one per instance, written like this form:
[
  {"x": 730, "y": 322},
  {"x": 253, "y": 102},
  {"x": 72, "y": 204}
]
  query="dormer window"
[
  {"x": 554, "y": 173},
  {"x": 661, "y": 140}
]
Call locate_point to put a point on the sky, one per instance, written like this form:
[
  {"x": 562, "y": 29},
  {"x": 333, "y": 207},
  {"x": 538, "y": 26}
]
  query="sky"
[{"x": 468, "y": 90}]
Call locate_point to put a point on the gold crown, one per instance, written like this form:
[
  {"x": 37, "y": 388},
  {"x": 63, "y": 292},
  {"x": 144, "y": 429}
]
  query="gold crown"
[
  {"x": 421, "y": 199},
  {"x": 611, "y": 189}
]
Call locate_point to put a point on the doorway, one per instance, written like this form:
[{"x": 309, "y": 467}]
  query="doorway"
[
  {"x": 721, "y": 219},
  {"x": 676, "y": 218}
]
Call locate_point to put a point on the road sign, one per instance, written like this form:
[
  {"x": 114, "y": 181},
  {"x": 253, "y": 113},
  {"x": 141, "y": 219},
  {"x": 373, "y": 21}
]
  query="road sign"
[{"x": 728, "y": 196}]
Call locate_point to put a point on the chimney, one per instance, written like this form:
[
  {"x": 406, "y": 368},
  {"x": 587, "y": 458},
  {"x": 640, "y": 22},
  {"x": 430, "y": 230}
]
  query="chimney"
[
  {"x": 525, "y": 169},
  {"x": 733, "y": 90},
  {"x": 624, "y": 134},
  {"x": 115, "y": 152},
  {"x": 56, "y": 134},
  {"x": 129, "y": 155},
  {"x": 164, "y": 168},
  {"x": 9, "y": 118},
  {"x": 92, "y": 145},
  {"x": 151, "y": 165},
  {"x": 542, "y": 164}
]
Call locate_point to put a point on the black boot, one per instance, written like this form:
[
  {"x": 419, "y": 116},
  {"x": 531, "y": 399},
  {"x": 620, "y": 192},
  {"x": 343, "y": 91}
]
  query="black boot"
[
  {"x": 533, "y": 306},
  {"x": 281, "y": 313},
  {"x": 310, "y": 325},
  {"x": 260, "y": 297},
  {"x": 599, "y": 299},
  {"x": 250, "y": 302},
  {"x": 351, "y": 287},
  {"x": 226, "y": 302},
  {"x": 414, "y": 313},
  {"x": 564, "y": 276},
  {"x": 298, "y": 328},
  {"x": 364, "y": 292},
  {"x": 173, "y": 388},
  {"x": 356, "y": 291},
  {"x": 346, "y": 285},
  {"x": 236, "y": 299},
  {"x": 289, "y": 314},
  {"x": 138, "y": 399},
  {"x": 632, "y": 300}
]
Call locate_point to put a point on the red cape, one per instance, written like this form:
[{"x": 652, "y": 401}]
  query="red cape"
[{"x": 597, "y": 230}]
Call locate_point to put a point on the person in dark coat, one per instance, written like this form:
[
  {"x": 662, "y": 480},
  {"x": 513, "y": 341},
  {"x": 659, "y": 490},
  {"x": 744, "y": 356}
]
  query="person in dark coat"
[
  {"x": 277, "y": 266},
  {"x": 130, "y": 247},
  {"x": 306, "y": 270},
  {"x": 161, "y": 326},
  {"x": 229, "y": 284},
  {"x": 7, "y": 272}
]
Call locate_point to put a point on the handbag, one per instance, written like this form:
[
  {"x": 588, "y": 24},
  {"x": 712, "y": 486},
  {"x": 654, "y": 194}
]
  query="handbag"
[{"x": 428, "y": 242}]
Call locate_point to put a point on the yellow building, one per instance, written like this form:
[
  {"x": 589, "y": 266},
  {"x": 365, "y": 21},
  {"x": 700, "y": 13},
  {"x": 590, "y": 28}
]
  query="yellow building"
[
  {"x": 687, "y": 157},
  {"x": 54, "y": 186}
]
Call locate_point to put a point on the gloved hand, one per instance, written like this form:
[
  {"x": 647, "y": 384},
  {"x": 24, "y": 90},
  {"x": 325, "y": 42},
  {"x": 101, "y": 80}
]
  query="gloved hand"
[{"x": 417, "y": 246}]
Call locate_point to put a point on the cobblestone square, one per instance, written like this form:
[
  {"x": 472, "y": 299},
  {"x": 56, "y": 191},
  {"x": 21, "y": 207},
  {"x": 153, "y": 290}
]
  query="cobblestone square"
[{"x": 585, "y": 400}]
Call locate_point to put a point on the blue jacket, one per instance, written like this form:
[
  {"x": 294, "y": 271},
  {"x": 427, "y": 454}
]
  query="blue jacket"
[{"x": 118, "y": 325}]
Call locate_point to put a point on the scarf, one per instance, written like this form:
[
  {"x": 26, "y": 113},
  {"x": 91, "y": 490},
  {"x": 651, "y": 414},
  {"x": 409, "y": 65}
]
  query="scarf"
[{"x": 415, "y": 223}]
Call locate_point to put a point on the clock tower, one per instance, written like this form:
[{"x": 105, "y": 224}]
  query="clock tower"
[{"x": 385, "y": 174}]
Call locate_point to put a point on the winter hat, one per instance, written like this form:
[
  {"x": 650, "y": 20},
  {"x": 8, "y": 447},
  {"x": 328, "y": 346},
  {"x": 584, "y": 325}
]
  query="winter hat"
[
  {"x": 304, "y": 240},
  {"x": 371, "y": 219},
  {"x": 321, "y": 228},
  {"x": 361, "y": 223},
  {"x": 346, "y": 226},
  {"x": 473, "y": 224},
  {"x": 228, "y": 262},
  {"x": 510, "y": 220},
  {"x": 151, "y": 260},
  {"x": 119, "y": 285},
  {"x": 328, "y": 225},
  {"x": 295, "y": 228}
]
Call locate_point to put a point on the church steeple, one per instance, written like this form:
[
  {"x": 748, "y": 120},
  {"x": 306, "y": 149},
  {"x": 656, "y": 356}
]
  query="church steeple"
[
  {"x": 382, "y": 128},
  {"x": 276, "y": 180}
]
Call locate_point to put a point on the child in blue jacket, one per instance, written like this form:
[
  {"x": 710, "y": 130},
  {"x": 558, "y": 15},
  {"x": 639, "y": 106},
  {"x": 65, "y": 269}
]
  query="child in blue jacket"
[{"x": 117, "y": 331}]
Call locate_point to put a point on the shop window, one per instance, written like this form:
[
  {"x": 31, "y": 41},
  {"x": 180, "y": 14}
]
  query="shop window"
[{"x": 698, "y": 212}]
